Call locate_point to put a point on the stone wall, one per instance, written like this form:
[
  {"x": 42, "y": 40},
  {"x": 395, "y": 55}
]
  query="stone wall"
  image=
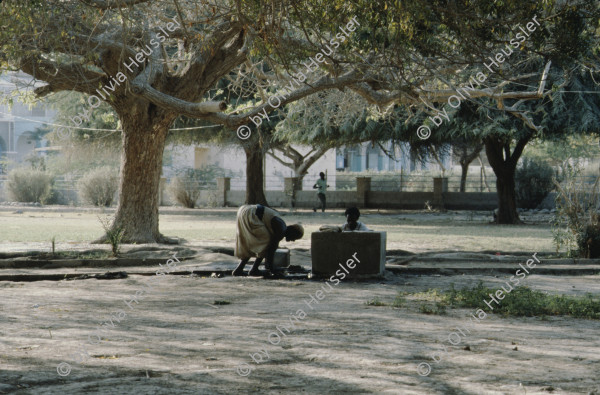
[
  {"x": 364, "y": 197},
  {"x": 361, "y": 197}
]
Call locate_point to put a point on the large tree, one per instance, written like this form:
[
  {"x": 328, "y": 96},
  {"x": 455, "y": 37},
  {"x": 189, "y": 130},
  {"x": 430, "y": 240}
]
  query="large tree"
[
  {"x": 151, "y": 61},
  {"x": 571, "y": 107},
  {"x": 403, "y": 53},
  {"x": 515, "y": 98}
]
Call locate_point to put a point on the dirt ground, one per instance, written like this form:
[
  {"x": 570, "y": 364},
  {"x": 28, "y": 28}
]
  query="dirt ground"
[
  {"x": 179, "y": 338},
  {"x": 201, "y": 335}
]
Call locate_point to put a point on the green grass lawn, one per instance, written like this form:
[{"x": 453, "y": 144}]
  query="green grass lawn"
[{"x": 413, "y": 234}]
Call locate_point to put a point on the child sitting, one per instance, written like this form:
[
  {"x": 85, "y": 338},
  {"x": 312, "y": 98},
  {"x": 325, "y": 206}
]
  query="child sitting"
[{"x": 352, "y": 224}]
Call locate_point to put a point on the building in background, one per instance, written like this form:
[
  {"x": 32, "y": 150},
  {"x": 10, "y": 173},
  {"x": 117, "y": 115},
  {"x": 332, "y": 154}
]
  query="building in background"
[
  {"x": 372, "y": 158},
  {"x": 337, "y": 163},
  {"x": 233, "y": 159},
  {"x": 18, "y": 140},
  {"x": 19, "y": 122}
]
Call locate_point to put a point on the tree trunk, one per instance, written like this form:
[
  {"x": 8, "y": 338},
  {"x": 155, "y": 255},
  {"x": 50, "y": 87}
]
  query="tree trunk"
[
  {"x": 255, "y": 193},
  {"x": 483, "y": 174},
  {"x": 507, "y": 206},
  {"x": 465, "y": 160},
  {"x": 297, "y": 186},
  {"x": 504, "y": 165},
  {"x": 463, "y": 176},
  {"x": 143, "y": 139},
  {"x": 300, "y": 181}
]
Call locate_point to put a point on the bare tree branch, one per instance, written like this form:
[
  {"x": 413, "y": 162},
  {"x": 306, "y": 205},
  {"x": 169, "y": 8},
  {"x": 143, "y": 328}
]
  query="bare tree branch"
[
  {"x": 410, "y": 94},
  {"x": 286, "y": 164},
  {"x": 55, "y": 74},
  {"x": 198, "y": 110}
]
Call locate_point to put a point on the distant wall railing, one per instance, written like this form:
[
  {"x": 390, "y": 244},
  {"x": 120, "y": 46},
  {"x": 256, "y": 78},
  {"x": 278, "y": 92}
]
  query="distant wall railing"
[
  {"x": 398, "y": 182},
  {"x": 363, "y": 194},
  {"x": 414, "y": 192}
]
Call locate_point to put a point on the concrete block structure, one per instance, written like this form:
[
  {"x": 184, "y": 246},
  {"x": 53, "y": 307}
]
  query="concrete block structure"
[{"x": 330, "y": 250}]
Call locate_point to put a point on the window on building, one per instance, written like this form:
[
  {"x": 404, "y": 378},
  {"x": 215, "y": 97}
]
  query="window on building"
[
  {"x": 341, "y": 160},
  {"x": 372, "y": 158},
  {"x": 355, "y": 159}
]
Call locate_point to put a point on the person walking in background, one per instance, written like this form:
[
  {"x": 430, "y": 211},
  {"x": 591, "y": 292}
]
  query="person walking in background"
[{"x": 321, "y": 187}]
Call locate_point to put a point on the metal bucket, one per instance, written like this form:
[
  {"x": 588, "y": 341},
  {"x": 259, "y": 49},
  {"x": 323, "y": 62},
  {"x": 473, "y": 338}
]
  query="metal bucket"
[{"x": 281, "y": 259}]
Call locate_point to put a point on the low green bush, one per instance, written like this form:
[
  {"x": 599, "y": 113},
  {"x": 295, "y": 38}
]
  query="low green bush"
[
  {"x": 576, "y": 225},
  {"x": 533, "y": 182},
  {"x": 588, "y": 241},
  {"x": 30, "y": 186}
]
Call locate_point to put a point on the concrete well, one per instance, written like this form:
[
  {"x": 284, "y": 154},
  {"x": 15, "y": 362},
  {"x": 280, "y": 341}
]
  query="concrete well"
[{"x": 329, "y": 250}]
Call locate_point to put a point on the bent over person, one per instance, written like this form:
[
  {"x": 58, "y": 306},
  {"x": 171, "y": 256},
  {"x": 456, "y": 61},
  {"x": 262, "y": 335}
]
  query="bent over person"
[{"x": 259, "y": 231}]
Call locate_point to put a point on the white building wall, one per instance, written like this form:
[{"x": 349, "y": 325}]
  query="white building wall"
[
  {"x": 233, "y": 158},
  {"x": 276, "y": 171},
  {"x": 17, "y": 123}
]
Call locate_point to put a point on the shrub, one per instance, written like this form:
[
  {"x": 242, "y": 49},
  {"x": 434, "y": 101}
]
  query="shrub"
[
  {"x": 113, "y": 235},
  {"x": 184, "y": 191},
  {"x": 576, "y": 225},
  {"x": 185, "y": 188},
  {"x": 98, "y": 186},
  {"x": 533, "y": 182},
  {"x": 31, "y": 186},
  {"x": 588, "y": 241}
]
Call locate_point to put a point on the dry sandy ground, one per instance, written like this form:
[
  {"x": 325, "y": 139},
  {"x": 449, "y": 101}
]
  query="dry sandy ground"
[{"x": 175, "y": 340}]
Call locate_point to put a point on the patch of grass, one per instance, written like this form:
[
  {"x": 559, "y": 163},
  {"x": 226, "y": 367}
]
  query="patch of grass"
[
  {"x": 375, "y": 302},
  {"x": 221, "y": 302},
  {"x": 438, "y": 308},
  {"x": 75, "y": 255},
  {"x": 399, "y": 301},
  {"x": 432, "y": 295},
  {"x": 92, "y": 255},
  {"x": 436, "y": 297},
  {"x": 525, "y": 302}
]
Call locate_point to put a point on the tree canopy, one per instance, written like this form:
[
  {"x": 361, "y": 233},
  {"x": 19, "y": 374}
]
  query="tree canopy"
[{"x": 155, "y": 60}]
